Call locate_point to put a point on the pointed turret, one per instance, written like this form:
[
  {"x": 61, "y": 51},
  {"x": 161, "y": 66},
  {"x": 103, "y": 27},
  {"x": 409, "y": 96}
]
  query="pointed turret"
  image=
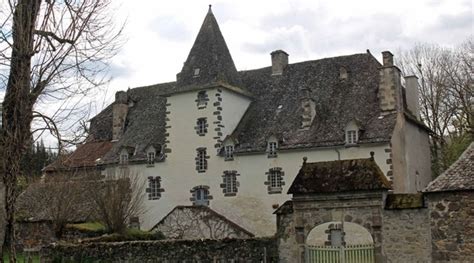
[{"x": 209, "y": 60}]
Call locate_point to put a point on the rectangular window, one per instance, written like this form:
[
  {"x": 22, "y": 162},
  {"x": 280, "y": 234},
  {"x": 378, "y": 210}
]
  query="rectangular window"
[
  {"x": 352, "y": 137},
  {"x": 202, "y": 99},
  {"x": 201, "y": 127},
  {"x": 275, "y": 179},
  {"x": 150, "y": 158},
  {"x": 272, "y": 149},
  {"x": 231, "y": 183},
  {"x": 229, "y": 152},
  {"x": 201, "y": 160},
  {"x": 153, "y": 190},
  {"x": 201, "y": 197}
]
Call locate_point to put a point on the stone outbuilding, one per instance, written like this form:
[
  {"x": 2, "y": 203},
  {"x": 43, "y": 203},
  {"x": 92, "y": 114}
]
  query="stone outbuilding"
[
  {"x": 346, "y": 207},
  {"x": 451, "y": 203}
]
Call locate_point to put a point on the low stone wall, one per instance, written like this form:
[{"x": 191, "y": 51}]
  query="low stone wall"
[
  {"x": 239, "y": 250},
  {"x": 452, "y": 226}
]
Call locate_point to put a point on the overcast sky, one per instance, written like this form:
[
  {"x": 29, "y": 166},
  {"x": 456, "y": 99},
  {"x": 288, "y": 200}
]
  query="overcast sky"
[{"x": 161, "y": 33}]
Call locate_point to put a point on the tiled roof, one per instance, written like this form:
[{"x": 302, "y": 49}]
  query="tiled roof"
[
  {"x": 458, "y": 177},
  {"x": 84, "y": 156},
  {"x": 339, "y": 176}
]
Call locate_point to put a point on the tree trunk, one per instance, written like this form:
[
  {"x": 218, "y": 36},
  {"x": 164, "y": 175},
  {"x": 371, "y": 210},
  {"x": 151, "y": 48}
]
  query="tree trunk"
[{"x": 17, "y": 109}]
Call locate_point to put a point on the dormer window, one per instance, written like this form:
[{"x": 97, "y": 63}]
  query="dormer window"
[
  {"x": 196, "y": 72},
  {"x": 229, "y": 152},
  {"x": 202, "y": 99},
  {"x": 272, "y": 149},
  {"x": 123, "y": 158},
  {"x": 343, "y": 73},
  {"x": 352, "y": 133},
  {"x": 351, "y": 137},
  {"x": 150, "y": 158}
]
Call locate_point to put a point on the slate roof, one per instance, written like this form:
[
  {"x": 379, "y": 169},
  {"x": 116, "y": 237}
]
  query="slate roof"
[
  {"x": 275, "y": 109},
  {"x": 339, "y": 176},
  {"x": 458, "y": 177},
  {"x": 210, "y": 56}
]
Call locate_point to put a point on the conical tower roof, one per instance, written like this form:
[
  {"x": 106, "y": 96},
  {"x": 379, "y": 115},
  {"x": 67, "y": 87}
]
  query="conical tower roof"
[{"x": 209, "y": 60}]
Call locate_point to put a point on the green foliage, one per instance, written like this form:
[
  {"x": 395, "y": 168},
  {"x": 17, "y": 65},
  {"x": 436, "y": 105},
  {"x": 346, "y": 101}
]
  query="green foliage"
[
  {"x": 454, "y": 148},
  {"x": 129, "y": 235},
  {"x": 20, "y": 258},
  {"x": 34, "y": 160},
  {"x": 88, "y": 227}
]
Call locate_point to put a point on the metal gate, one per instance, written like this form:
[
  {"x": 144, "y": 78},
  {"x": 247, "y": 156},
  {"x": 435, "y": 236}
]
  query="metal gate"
[{"x": 343, "y": 254}]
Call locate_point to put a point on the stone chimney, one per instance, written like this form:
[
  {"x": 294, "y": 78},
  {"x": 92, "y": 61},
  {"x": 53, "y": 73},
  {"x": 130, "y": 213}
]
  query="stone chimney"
[
  {"x": 308, "y": 107},
  {"x": 390, "y": 85},
  {"x": 119, "y": 114},
  {"x": 279, "y": 61},
  {"x": 411, "y": 94}
]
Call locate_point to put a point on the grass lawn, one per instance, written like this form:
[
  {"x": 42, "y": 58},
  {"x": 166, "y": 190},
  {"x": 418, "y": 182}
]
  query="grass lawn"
[{"x": 20, "y": 258}]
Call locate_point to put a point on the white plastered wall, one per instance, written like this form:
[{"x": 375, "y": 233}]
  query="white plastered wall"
[{"x": 252, "y": 207}]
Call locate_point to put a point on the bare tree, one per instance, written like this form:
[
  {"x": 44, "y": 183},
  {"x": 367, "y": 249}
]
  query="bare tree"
[
  {"x": 446, "y": 92},
  {"x": 118, "y": 199},
  {"x": 60, "y": 200},
  {"x": 54, "y": 51}
]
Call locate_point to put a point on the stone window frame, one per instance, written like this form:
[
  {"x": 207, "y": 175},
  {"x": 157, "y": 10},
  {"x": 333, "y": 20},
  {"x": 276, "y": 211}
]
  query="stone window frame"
[
  {"x": 275, "y": 180},
  {"x": 201, "y": 126},
  {"x": 204, "y": 189},
  {"x": 272, "y": 148},
  {"x": 202, "y": 99},
  {"x": 229, "y": 152},
  {"x": 201, "y": 159},
  {"x": 230, "y": 184},
  {"x": 154, "y": 189}
]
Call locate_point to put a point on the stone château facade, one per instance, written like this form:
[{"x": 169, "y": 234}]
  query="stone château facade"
[{"x": 234, "y": 140}]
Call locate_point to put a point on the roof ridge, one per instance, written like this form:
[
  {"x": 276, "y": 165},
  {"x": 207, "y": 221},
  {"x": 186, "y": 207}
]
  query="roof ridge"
[{"x": 308, "y": 61}]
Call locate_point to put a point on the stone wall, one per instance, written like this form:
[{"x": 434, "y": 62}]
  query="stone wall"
[
  {"x": 34, "y": 234},
  {"x": 406, "y": 235},
  {"x": 452, "y": 226},
  {"x": 226, "y": 250}
]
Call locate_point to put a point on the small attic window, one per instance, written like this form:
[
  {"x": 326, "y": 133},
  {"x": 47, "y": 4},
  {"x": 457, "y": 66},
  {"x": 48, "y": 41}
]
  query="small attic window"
[
  {"x": 272, "y": 147},
  {"x": 343, "y": 73},
  {"x": 352, "y": 137},
  {"x": 229, "y": 152},
  {"x": 196, "y": 72},
  {"x": 150, "y": 158},
  {"x": 123, "y": 158},
  {"x": 352, "y": 131}
]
